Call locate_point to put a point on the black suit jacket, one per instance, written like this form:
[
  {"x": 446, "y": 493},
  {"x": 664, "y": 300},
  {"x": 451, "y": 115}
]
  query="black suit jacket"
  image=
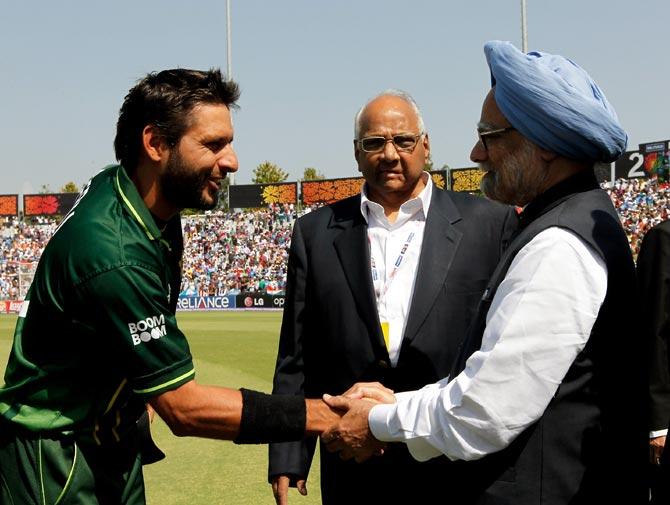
[
  {"x": 653, "y": 268},
  {"x": 331, "y": 336}
]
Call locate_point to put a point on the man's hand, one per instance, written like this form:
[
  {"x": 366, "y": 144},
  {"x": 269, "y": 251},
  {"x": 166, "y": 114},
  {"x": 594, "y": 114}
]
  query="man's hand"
[
  {"x": 351, "y": 435},
  {"x": 371, "y": 391},
  {"x": 656, "y": 449},
  {"x": 280, "y": 485},
  {"x": 320, "y": 417}
]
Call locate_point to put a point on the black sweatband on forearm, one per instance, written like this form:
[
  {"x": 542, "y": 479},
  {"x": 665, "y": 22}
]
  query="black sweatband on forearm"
[{"x": 271, "y": 418}]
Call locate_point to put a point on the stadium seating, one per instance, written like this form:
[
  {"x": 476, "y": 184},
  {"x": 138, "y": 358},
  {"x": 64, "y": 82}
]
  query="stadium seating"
[{"x": 247, "y": 251}]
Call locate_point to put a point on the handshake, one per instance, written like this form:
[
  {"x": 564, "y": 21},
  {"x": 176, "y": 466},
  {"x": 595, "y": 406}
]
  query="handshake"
[
  {"x": 342, "y": 423},
  {"x": 350, "y": 433}
]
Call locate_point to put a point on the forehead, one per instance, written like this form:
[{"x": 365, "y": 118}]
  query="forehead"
[
  {"x": 388, "y": 114},
  {"x": 209, "y": 120},
  {"x": 491, "y": 114}
]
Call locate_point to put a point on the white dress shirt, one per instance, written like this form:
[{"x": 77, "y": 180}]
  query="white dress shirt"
[
  {"x": 395, "y": 249},
  {"x": 539, "y": 320}
]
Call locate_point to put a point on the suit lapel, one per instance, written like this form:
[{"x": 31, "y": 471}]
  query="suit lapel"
[
  {"x": 440, "y": 242},
  {"x": 351, "y": 245}
]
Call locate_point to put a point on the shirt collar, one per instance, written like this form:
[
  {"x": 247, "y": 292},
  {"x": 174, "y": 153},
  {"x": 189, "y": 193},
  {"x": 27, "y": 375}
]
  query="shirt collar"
[
  {"x": 131, "y": 198},
  {"x": 423, "y": 197}
]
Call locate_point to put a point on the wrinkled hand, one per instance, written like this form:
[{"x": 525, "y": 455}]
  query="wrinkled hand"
[
  {"x": 280, "y": 485},
  {"x": 656, "y": 449},
  {"x": 371, "y": 391},
  {"x": 351, "y": 435}
]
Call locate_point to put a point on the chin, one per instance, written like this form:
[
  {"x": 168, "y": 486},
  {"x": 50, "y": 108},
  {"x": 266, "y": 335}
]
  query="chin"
[
  {"x": 209, "y": 198},
  {"x": 487, "y": 185},
  {"x": 394, "y": 184},
  {"x": 493, "y": 192},
  {"x": 208, "y": 204}
]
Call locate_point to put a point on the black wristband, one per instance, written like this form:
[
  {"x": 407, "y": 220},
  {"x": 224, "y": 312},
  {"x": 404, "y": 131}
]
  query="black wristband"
[{"x": 271, "y": 418}]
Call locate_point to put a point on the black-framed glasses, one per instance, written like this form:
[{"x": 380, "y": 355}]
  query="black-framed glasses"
[
  {"x": 404, "y": 142},
  {"x": 489, "y": 134}
]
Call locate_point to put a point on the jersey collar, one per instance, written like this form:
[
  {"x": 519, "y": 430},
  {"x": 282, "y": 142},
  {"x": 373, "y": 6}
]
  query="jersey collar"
[{"x": 134, "y": 203}]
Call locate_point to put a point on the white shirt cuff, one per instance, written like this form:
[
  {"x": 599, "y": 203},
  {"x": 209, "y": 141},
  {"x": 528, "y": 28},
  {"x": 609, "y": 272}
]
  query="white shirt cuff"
[
  {"x": 658, "y": 433},
  {"x": 403, "y": 395},
  {"x": 378, "y": 420}
]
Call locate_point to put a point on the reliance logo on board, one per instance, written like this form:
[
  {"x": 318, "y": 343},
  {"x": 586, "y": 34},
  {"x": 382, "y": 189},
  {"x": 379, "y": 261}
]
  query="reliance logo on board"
[{"x": 146, "y": 329}]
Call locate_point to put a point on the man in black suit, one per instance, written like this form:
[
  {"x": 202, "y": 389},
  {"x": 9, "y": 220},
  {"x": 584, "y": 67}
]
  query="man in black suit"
[
  {"x": 382, "y": 287},
  {"x": 653, "y": 268}
]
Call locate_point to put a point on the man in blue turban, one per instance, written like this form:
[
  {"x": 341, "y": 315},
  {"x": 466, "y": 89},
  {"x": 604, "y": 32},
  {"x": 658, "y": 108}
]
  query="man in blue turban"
[{"x": 546, "y": 405}]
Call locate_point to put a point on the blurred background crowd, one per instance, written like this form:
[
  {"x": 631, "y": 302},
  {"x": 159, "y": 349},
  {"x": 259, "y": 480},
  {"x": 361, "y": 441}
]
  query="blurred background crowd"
[
  {"x": 247, "y": 251},
  {"x": 641, "y": 204}
]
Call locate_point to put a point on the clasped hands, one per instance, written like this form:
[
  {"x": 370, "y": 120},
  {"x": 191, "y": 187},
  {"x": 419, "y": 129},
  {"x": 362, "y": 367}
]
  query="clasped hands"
[{"x": 351, "y": 435}]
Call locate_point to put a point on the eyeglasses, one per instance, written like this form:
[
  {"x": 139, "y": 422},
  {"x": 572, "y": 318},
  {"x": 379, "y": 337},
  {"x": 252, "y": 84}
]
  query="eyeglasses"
[
  {"x": 403, "y": 142},
  {"x": 483, "y": 135}
]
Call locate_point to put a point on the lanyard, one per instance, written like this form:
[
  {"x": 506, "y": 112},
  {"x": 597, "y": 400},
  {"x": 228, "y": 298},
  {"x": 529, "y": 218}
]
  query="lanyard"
[{"x": 381, "y": 293}]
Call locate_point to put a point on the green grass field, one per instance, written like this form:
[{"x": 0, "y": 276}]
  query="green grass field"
[{"x": 234, "y": 349}]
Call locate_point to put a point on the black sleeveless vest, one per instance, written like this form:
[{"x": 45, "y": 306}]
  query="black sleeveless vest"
[{"x": 589, "y": 446}]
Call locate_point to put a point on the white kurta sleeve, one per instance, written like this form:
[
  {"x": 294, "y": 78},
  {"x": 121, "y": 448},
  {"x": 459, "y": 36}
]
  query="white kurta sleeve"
[{"x": 539, "y": 320}]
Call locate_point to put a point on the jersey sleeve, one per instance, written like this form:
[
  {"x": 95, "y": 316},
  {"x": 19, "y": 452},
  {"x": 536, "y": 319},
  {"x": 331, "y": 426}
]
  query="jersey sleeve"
[{"x": 130, "y": 304}]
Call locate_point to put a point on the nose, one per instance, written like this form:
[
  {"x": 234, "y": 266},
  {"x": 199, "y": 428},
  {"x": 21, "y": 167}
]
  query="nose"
[
  {"x": 478, "y": 153},
  {"x": 227, "y": 160},
  {"x": 390, "y": 152}
]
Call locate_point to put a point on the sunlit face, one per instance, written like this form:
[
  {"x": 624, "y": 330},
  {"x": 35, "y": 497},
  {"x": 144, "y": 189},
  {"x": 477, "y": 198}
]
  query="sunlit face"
[
  {"x": 514, "y": 172},
  {"x": 391, "y": 173},
  {"x": 199, "y": 162}
]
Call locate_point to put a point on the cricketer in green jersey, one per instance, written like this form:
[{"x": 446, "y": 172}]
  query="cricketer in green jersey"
[{"x": 97, "y": 339}]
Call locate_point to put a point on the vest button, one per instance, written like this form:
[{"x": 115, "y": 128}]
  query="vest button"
[{"x": 383, "y": 363}]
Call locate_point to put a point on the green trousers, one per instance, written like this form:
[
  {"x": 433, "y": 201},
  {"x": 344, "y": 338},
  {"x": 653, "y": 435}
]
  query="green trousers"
[{"x": 60, "y": 471}]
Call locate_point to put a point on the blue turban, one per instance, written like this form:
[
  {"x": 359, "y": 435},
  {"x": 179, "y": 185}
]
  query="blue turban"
[{"x": 553, "y": 102}]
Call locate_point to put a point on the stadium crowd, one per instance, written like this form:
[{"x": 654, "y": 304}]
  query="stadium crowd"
[
  {"x": 233, "y": 252},
  {"x": 247, "y": 251},
  {"x": 21, "y": 243},
  {"x": 641, "y": 204}
]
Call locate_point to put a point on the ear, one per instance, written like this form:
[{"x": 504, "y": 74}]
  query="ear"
[
  {"x": 154, "y": 144},
  {"x": 426, "y": 145},
  {"x": 547, "y": 156},
  {"x": 357, "y": 152}
]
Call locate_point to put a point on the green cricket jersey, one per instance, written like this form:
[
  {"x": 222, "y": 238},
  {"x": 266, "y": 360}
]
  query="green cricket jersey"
[{"x": 97, "y": 334}]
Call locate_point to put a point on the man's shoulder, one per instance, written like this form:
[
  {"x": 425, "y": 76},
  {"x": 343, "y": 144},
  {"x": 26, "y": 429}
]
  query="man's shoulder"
[
  {"x": 341, "y": 210},
  {"x": 94, "y": 215},
  {"x": 94, "y": 235},
  {"x": 655, "y": 240},
  {"x": 662, "y": 228},
  {"x": 468, "y": 200},
  {"x": 592, "y": 210},
  {"x": 471, "y": 206},
  {"x": 78, "y": 256}
]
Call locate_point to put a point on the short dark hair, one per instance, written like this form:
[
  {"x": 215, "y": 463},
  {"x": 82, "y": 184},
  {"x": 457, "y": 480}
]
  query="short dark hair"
[{"x": 164, "y": 100}]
